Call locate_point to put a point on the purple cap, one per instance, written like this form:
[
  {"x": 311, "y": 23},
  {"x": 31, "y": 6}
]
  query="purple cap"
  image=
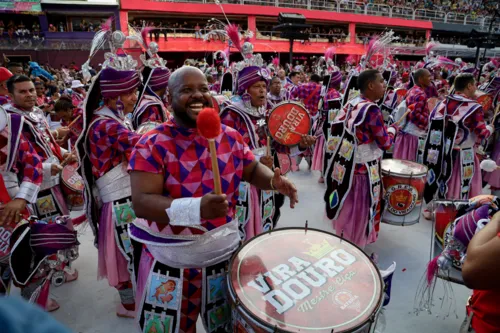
[
  {"x": 335, "y": 79},
  {"x": 159, "y": 78},
  {"x": 250, "y": 75},
  {"x": 115, "y": 83}
]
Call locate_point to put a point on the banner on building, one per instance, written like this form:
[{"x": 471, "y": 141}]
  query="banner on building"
[{"x": 21, "y": 6}]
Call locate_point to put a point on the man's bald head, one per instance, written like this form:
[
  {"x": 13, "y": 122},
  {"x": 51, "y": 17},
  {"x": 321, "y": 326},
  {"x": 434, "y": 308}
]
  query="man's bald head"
[
  {"x": 188, "y": 94},
  {"x": 178, "y": 75}
]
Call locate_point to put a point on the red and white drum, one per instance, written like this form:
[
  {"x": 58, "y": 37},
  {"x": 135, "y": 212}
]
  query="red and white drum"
[
  {"x": 288, "y": 122},
  {"x": 72, "y": 187},
  {"x": 404, "y": 183},
  {"x": 312, "y": 282}
]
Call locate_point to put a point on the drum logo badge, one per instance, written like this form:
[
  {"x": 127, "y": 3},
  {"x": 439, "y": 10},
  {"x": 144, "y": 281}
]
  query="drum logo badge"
[
  {"x": 293, "y": 119},
  {"x": 318, "y": 251},
  {"x": 347, "y": 300},
  {"x": 402, "y": 199}
]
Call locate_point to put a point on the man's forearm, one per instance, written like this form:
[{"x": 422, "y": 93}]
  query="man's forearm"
[
  {"x": 152, "y": 207},
  {"x": 261, "y": 177}
]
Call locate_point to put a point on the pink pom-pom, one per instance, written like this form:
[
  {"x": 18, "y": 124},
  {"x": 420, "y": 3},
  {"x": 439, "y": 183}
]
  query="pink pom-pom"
[
  {"x": 208, "y": 123},
  {"x": 432, "y": 270}
]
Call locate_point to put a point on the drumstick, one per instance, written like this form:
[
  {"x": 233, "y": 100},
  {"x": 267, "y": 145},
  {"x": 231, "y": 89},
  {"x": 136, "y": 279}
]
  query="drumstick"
[
  {"x": 74, "y": 121},
  {"x": 268, "y": 145}
]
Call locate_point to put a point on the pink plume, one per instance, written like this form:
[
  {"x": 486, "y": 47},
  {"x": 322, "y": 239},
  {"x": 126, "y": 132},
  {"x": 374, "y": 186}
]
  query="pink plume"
[
  {"x": 351, "y": 59},
  {"x": 226, "y": 52},
  {"x": 234, "y": 35},
  {"x": 429, "y": 47},
  {"x": 106, "y": 26},
  {"x": 432, "y": 270},
  {"x": 144, "y": 34},
  {"x": 276, "y": 62},
  {"x": 329, "y": 53}
]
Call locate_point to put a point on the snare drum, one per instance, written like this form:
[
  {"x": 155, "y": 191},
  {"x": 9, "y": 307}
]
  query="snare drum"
[
  {"x": 404, "y": 183},
  {"x": 312, "y": 282},
  {"x": 72, "y": 187}
]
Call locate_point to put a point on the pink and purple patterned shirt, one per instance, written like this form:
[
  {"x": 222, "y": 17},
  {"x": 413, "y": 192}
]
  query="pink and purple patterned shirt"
[
  {"x": 28, "y": 162},
  {"x": 309, "y": 94},
  {"x": 182, "y": 156},
  {"x": 373, "y": 130},
  {"x": 420, "y": 115},
  {"x": 110, "y": 143}
]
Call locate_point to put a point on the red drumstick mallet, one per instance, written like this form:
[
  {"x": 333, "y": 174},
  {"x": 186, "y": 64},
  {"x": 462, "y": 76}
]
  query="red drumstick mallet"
[{"x": 208, "y": 123}]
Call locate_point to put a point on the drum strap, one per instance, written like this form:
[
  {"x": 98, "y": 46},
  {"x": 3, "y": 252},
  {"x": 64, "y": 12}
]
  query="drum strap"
[
  {"x": 123, "y": 215},
  {"x": 467, "y": 171},
  {"x": 375, "y": 188},
  {"x": 242, "y": 209},
  {"x": 267, "y": 209}
]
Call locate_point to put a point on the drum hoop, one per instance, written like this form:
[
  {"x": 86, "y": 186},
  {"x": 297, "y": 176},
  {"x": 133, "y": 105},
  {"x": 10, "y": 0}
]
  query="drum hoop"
[
  {"x": 403, "y": 175},
  {"x": 283, "y": 103},
  {"x": 265, "y": 324}
]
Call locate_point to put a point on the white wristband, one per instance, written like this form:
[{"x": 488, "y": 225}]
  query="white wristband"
[
  {"x": 185, "y": 212},
  {"x": 391, "y": 130},
  {"x": 490, "y": 129}
]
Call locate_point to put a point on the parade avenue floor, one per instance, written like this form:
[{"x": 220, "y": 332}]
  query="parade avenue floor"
[{"x": 88, "y": 305}]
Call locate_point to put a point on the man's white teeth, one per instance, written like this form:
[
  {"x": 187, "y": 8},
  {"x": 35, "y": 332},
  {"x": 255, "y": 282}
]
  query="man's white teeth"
[{"x": 196, "y": 106}]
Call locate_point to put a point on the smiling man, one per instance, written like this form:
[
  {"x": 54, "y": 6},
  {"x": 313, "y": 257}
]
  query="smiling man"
[
  {"x": 188, "y": 232},
  {"x": 49, "y": 202}
]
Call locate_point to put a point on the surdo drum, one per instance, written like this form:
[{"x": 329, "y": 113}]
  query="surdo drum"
[
  {"x": 293, "y": 280},
  {"x": 404, "y": 183}
]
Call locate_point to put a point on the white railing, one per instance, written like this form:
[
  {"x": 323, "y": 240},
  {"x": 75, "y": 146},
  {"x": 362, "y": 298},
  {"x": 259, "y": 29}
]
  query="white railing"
[{"x": 358, "y": 7}]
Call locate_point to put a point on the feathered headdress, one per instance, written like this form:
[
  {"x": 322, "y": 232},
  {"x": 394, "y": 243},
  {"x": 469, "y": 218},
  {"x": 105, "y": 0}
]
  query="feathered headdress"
[
  {"x": 98, "y": 42},
  {"x": 377, "y": 44},
  {"x": 428, "y": 48}
]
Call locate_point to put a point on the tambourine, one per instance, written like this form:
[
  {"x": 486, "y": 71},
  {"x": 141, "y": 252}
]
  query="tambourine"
[{"x": 288, "y": 122}]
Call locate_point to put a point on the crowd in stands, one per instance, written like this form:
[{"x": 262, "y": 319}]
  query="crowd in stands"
[{"x": 17, "y": 29}]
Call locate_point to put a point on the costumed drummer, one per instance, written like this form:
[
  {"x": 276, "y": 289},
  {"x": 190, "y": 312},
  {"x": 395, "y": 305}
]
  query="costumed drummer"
[
  {"x": 21, "y": 176},
  {"x": 256, "y": 211},
  {"x": 331, "y": 104},
  {"x": 455, "y": 126},
  {"x": 104, "y": 151},
  {"x": 354, "y": 186},
  {"x": 189, "y": 232},
  {"x": 153, "y": 105},
  {"x": 49, "y": 202},
  {"x": 412, "y": 135}
]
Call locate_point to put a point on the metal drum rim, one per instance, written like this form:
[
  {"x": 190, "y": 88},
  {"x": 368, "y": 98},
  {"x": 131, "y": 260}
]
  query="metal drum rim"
[
  {"x": 393, "y": 173},
  {"x": 277, "y": 329}
]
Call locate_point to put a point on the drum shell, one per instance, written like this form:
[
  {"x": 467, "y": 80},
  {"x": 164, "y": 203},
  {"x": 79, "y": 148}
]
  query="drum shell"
[
  {"x": 72, "y": 195},
  {"x": 246, "y": 321},
  {"x": 402, "y": 192}
]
